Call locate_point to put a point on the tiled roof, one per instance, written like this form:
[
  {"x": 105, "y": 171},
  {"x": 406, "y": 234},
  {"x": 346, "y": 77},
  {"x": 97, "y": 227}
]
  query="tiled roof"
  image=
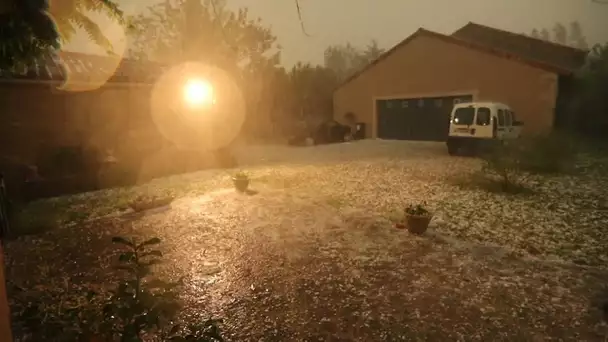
[
  {"x": 471, "y": 44},
  {"x": 564, "y": 57},
  {"x": 85, "y": 67}
]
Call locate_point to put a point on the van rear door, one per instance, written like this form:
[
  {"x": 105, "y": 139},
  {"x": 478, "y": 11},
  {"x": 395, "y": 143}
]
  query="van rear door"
[
  {"x": 462, "y": 120},
  {"x": 483, "y": 123}
]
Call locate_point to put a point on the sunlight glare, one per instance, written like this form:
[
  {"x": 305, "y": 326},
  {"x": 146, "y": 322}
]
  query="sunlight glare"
[{"x": 198, "y": 92}]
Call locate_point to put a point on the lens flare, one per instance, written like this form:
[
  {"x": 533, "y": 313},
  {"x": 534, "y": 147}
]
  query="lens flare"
[
  {"x": 183, "y": 92},
  {"x": 198, "y": 92}
]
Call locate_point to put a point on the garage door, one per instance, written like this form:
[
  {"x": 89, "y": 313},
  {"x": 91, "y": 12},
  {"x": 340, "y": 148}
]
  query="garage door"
[{"x": 416, "y": 118}]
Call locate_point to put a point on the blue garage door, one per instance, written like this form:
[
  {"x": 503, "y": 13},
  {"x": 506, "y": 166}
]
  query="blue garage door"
[{"x": 416, "y": 118}]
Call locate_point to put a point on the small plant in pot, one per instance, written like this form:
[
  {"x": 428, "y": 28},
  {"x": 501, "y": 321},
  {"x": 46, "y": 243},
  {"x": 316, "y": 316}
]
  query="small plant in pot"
[
  {"x": 417, "y": 218},
  {"x": 241, "y": 181}
]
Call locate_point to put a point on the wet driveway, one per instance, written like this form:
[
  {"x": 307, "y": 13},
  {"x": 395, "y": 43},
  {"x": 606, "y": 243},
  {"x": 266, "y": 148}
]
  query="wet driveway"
[{"x": 280, "y": 266}]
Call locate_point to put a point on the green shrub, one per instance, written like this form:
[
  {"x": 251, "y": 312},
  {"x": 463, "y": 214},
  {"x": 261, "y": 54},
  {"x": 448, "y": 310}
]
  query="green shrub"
[
  {"x": 502, "y": 167},
  {"x": 117, "y": 175},
  {"x": 550, "y": 153},
  {"x": 139, "y": 308},
  {"x": 34, "y": 218}
]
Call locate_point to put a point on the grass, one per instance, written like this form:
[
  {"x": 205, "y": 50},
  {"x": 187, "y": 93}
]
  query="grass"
[{"x": 324, "y": 249}]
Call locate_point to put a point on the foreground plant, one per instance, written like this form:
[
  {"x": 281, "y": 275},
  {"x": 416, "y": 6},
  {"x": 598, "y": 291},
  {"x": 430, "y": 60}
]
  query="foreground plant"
[
  {"x": 502, "y": 160},
  {"x": 417, "y": 218},
  {"x": 139, "y": 308},
  {"x": 241, "y": 181}
]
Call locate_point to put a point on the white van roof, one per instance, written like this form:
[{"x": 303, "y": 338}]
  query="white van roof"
[{"x": 481, "y": 104}]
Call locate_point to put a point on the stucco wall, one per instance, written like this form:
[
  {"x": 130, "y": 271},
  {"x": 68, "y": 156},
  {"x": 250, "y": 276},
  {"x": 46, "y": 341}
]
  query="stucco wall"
[
  {"x": 38, "y": 114},
  {"x": 428, "y": 66}
]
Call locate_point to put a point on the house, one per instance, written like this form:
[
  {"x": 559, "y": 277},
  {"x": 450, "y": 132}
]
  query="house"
[
  {"x": 408, "y": 92},
  {"x": 69, "y": 98}
]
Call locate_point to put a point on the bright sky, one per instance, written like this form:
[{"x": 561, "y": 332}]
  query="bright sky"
[{"x": 358, "y": 21}]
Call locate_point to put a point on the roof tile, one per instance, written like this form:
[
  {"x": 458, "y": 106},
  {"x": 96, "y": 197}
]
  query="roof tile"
[
  {"x": 85, "y": 67},
  {"x": 561, "y": 56}
]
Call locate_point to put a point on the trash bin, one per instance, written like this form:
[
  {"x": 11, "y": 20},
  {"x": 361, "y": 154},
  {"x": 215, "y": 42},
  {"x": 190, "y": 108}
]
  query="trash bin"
[{"x": 359, "y": 131}]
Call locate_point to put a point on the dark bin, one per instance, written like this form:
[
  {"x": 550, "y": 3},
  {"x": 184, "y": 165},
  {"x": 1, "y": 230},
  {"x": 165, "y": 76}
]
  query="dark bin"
[{"x": 359, "y": 131}]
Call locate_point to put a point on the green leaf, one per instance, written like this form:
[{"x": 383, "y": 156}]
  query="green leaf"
[
  {"x": 122, "y": 241},
  {"x": 126, "y": 257},
  {"x": 175, "y": 329},
  {"x": 91, "y": 294}
]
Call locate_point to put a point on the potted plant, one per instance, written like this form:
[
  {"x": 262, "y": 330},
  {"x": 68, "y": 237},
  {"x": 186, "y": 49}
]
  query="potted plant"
[
  {"x": 241, "y": 181},
  {"x": 417, "y": 218}
]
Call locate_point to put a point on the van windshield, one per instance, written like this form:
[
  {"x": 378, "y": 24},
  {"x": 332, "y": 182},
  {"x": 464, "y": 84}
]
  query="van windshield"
[{"x": 464, "y": 116}]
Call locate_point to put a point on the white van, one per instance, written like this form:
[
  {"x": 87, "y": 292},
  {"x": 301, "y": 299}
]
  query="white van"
[{"x": 474, "y": 124}]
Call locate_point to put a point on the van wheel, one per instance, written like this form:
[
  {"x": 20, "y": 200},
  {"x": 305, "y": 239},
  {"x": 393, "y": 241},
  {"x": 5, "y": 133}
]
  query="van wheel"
[{"x": 452, "y": 149}]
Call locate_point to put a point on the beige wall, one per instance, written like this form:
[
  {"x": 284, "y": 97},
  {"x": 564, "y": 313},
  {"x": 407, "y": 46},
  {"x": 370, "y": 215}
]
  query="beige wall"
[
  {"x": 428, "y": 66},
  {"x": 114, "y": 117},
  {"x": 37, "y": 114}
]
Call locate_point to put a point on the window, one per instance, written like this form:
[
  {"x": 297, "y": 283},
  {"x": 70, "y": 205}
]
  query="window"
[
  {"x": 508, "y": 119},
  {"x": 438, "y": 102},
  {"x": 457, "y": 101},
  {"x": 389, "y": 104},
  {"x": 464, "y": 116},
  {"x": 501, "y": 117},
  {"x": 420, "y": 103},
  {"x": 483, "y": 116},
  {"x": 404, "y": 104}
]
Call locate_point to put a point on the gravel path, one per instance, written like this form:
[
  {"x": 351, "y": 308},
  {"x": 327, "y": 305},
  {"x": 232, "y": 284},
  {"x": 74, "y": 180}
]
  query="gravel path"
[{"x": 314, "y": 255}]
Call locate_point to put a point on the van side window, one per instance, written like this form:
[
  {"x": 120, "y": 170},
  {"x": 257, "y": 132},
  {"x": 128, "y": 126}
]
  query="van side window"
[
  {"x": 508, "y": 120},
  {"x": 483, "y": 116},
  {"x": 501, "y": 117}
]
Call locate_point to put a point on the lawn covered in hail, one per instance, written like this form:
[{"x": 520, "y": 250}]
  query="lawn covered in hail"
[{"x": 315, "y": 255}]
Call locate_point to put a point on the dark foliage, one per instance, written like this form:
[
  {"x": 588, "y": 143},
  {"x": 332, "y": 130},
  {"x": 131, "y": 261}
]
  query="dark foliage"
[
  {"x": 139, "y": 308},
  {"x": 417, "y": 209}
]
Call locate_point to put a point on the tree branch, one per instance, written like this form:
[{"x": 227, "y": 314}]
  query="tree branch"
[{"x": 300, "y": 18}]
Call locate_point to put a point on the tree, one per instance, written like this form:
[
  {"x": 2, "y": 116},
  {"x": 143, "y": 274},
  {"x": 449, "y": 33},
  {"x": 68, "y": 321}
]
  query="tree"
[
  {"x": 590, "y": 94},
  {"x": 31, "y": 28},
  {"x": 560, "y": 34},
  {"x": 342, "y": 59},
  {"x": 345, "y": 60},
  {"x": 535, "y": 34},
  {"x": 222, "y": 37},
  {"x": 313, "y": 88},
  {"x": 576, "y": 38},
  {"x": 372, "y": 52},
  {"x": 544, "y": 35}
]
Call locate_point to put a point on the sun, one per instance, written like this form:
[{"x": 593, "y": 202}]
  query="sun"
[{"x": 198, "y": 92}]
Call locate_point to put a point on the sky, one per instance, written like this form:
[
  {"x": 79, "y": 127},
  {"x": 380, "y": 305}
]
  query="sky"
[{"x": 388, "y": 21}]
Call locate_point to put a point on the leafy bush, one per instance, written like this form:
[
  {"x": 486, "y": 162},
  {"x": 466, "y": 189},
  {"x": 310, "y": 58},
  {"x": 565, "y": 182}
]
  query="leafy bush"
[
  {"x": 116, "y": 175},
  {"x": 60, "y": 161},
  {"x": 551, "y": 153},
  {"x": 139, "y": 308},
  {"x": 36, "y": 217},
  {"x": 501, "y": 160}
]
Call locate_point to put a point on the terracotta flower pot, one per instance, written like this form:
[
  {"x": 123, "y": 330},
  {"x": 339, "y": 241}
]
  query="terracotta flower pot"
[
  {"x": 417, "y": 224},
  {"x": 241, "y": 184}
]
